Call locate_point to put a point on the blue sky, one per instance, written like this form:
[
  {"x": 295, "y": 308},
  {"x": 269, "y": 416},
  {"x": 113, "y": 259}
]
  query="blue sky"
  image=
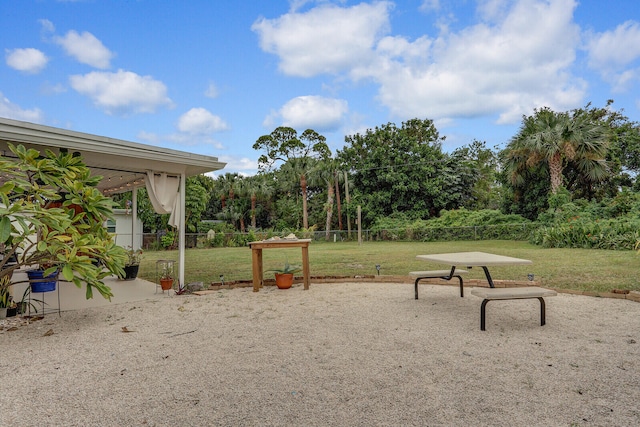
[{"x": 211, "y": 77}]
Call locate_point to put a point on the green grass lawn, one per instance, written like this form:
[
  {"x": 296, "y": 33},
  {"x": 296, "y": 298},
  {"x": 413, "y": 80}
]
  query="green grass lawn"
[{"x": 578, "y": 269}]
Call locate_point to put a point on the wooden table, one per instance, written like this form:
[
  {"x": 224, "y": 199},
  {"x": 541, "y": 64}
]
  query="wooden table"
[
  {"x": 256, "y": 255},
  {"x": 473, "y": 259}
]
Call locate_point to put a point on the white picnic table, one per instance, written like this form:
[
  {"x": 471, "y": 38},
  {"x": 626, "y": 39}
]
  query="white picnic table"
[{"x": 473, "y": 259}]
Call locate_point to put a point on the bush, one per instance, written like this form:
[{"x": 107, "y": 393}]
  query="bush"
[{"x": 453, "y": 225}]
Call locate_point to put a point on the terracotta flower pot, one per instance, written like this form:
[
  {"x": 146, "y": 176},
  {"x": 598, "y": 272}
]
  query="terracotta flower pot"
[
  {"x": 166, "y": 284},
  {"x": 284, "y": 280}
]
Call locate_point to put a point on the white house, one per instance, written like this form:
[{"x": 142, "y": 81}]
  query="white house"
[
  {"x": 122, "y": 227},
  {"x": 124, "y": 166}
]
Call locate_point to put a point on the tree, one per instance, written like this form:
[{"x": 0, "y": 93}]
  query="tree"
[
  {"x": 257, "y": 186},
  {"x": 325, "y": 172},
  {"x": 197, "y": 194},
  {"x": 66, "y": 238},
  {"x": 486, "y": 190},
  {"x": 225, "y": 187},
  {"x": 283, "y": 146},
  {"x": 400, "y": 170},
  {"x": 556, "y": 139}
]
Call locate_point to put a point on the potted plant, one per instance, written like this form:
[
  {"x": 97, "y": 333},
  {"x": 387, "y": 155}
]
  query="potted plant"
[
  {"x": 132, "y": 265},
  {"x": 43, "y": 279},
  {"x": 166, "y": 277},
  {"x": 284, "y": 276},
  {"x": 27, "y": 304},
  {"x": 5, "y": 302},
  {"x": 33, "y": 233}
]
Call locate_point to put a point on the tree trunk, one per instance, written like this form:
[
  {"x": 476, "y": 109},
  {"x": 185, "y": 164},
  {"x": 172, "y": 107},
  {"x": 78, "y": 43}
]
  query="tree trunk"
[
  {"x": 303, "y": 187},
  {"x": 253, "y": 211},
  {"x": 223, "y": 201},
  {"x": 339, "y": 205},
  {"x": 555, "y": 171},
  {"x": 329, "y": 210},
  {"x": 346, "y": 193}
]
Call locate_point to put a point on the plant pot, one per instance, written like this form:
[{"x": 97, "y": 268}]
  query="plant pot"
[
  {"x": 23, "y": 308},
  {"x": 166, "y": 284},
  {"x": 3, "y": 312},
  {"x": 131, "y": 272},
  {"x": 39, "y": 282},
  {"x": 284, "y": 280},
  {"x": 11, "y": 312}
]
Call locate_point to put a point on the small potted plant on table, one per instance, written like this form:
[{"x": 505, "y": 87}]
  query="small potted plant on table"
[{"x": 284, "y": 276}]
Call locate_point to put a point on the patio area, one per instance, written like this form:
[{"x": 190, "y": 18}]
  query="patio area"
[{"x": 72, "y": 298}]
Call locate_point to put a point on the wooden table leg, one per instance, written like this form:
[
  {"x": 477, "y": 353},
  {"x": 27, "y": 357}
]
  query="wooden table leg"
[
  {"x": 305, "y": 266},
  {"x": 256, "y": 255}
]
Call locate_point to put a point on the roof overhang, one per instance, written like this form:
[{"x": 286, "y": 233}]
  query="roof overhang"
[{"x": 122, "y": 164}]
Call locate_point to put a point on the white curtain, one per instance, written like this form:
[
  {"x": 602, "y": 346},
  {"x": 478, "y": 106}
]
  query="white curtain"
[{"x": 163, "y": 194}]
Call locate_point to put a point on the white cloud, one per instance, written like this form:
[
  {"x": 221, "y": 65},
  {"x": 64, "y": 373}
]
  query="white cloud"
[
  {"x": 239, "y": 164},
  {"x": 199, "y": 121},
  {"x": 28, "y": 60},
  {"x": 52, "y": 89},
  {"x": 430, "y": 5},
  {"x": 86, "y": 48},
  {"x": 612, "y": 54},
  {"x": 122, "y": 92},
  {"x": 47, "y": 26},
  {"x": 10, "y": 110},
  {"x": 212, "y": 91},
  {"x": 517, "y": 56},
  {"x": 326, "y": 39},
  {"x": 311, "y": 112},
  {"x": 506, "y": 68}
]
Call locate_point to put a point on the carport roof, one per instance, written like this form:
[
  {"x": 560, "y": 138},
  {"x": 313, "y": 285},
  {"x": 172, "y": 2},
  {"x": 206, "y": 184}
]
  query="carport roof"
[{"x": 122, "y": 164}]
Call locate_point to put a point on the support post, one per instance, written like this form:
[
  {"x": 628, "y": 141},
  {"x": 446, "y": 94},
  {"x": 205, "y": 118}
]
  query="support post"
[
  {"x": 181, "y": 231},
  {"x": 359, "y": 225}
]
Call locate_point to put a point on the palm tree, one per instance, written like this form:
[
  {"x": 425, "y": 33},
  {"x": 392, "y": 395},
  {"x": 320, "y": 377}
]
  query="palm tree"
[
  {"x": 299, "y": 169},
  {"x": 326, "y": 173},
  {"x": 556, "y": 139},
  {"x": 299, "y": 154},
  {"x": 227, "y": 186},
  {"x": 257, "y": 186}
]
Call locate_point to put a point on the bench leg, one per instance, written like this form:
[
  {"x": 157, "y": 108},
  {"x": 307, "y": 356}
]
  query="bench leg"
[
  {"x": 461, "y": 287},
  {"x": 483, "y": 311},
  {"x": 445, "y": 278}
]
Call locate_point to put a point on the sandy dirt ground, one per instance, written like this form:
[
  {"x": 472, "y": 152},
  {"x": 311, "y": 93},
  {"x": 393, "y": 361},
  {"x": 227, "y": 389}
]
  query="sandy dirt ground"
[{"x": 347, "y": 354}]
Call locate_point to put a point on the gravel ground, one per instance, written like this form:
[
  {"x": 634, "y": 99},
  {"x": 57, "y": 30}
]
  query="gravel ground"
[{"x": 349, "y": 354}]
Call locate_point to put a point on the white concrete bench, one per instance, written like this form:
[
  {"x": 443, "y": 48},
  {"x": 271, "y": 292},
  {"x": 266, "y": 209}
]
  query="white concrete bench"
[
  {"x": 490, "y": 294},
  {"x": 438, "y": 274}
]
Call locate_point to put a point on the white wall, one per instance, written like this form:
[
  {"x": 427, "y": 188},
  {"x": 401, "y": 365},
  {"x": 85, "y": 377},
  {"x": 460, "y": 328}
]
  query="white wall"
[{"x": 123, "y": 229}]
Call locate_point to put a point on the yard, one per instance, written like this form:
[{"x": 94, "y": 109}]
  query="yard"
[{"x": 577, "y": 269}]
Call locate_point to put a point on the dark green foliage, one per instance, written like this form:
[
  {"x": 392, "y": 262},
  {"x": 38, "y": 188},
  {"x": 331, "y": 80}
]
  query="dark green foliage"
[
  {"x": 610, "y": 224},
  {"x": 454, "y": 225},
  {"x": 404, "y": 170}
]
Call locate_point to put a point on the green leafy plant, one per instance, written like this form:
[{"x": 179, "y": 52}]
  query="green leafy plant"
[
  {"x": 52, "y": 214},
  {"x": 134, "y": 257},
  {"x": 168, "y": 240},
  {"x": 167, "y": 271},
  {"x": 287, "y": 268},
  {"x": 5, "y": 298}
]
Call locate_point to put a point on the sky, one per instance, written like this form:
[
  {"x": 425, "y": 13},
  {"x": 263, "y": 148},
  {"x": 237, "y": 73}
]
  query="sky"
[{"x": 211, "y": 77}]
